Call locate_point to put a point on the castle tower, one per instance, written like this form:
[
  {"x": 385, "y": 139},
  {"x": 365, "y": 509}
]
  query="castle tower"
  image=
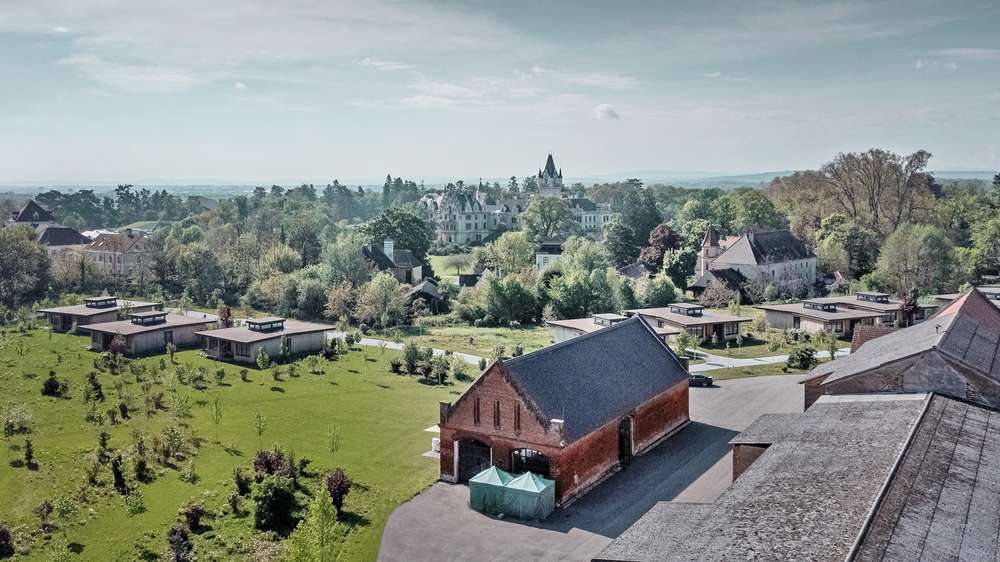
[
  {"x": 710, "y": 249},
  {"x": 550, "y": 181}
]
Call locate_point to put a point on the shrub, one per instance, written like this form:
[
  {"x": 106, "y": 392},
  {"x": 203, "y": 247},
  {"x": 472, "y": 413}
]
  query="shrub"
[
  {"x": 802, "y": 357},
  {"x": 518, "y": 351},
  {"x": 133, "y": 502},
  {"x": 179, "y": 542},
  {"x": 193, "y": 513},
  {"x": 483, "y": 364},
  {"x": 275, "y": 371},
  {"x": 188, "y": 475},
  {"x": 274, "y": 502},
  {"x": 244, "y": 375},
  {"x": 96, "y": 391},
  {"x": 426, "y": 369},
  {"x": 220, "y": 374},
  {"x": 51, "y": 385},
  {"x": 271, "y": 463},
  {"x": 291, "y": 369},
  {"x": 29, "y": 452},
  {"x": 396, "y": 365},
  {"x": 6, "y": 543},
  {"x": 349, "y": 340},
  {"x": 43, "y": 511},
  {"x": 234, "y": 500},
  {"x": 338, "y": 484},
  {"x": 243, "y": 478}
]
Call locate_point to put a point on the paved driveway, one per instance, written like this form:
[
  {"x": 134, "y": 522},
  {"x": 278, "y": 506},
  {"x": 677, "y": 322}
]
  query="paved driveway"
[{"x": 695, "y": 465}]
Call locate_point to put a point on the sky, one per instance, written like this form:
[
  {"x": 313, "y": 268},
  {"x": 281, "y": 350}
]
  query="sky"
[{"x": 118, "y": 90}]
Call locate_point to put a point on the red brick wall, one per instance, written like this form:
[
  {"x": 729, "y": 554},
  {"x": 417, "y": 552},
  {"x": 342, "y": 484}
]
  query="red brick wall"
[
  {"x": 574, "y": 466},
  {"x": 744, "y": 456},
  {"x": 813, "y": 390}
]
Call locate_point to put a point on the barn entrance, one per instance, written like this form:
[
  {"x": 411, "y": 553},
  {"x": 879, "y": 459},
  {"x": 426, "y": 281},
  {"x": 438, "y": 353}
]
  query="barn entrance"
[
  {"x": 529, "y": 460},
  {"x": 474, "y": 456},
  {"x": 625, "y": 441}
]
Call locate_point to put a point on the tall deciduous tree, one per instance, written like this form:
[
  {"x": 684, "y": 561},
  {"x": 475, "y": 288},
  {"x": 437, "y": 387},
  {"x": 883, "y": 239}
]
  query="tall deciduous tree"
[
  {"x": 406, "y": 226},
  {"x": 661, "y": 240},
  {"x": 511, "y": 253},
  {"x": 916, "y": 257},
  {"x": 24, "y": 263},
  {"x": 379, "y": 297},
  {"x": 548, "y": 216}
]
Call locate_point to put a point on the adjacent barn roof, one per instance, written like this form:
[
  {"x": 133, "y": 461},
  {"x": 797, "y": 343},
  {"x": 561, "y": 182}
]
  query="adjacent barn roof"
[
  {"x": 761, "y": 248},
  {"x": 805, "y": 498},
  {"x": 60, "y": 236},
  {"x": 864, "y": 333},
  {"x": 33, "y": 212},
  {"x": 592, "y": 379}
]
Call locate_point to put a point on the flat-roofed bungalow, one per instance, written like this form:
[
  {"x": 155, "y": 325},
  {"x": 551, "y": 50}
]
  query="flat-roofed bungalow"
[
  {"x": 243, "y": 343},
  {"x": 569, "y": 329},
  {"x": 147, "y": 332},
  {"x": 694, "y": 319},
  {"x": 877, "y": 302},
  {"x": 94, "y": 310},
  {"x": 812, "y": 316}
]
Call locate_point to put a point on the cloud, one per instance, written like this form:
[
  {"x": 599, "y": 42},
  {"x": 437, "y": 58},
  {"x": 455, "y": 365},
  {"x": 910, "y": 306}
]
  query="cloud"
[
  {"x": 718, "y": 74},
  {"x": 131, "y": 77},
  {"x": 428, "y": 102},
  {"x": 605, "y": 111},
  {"x": 447, "y": 90},
  {"x": 59, "y": 29},
  {"x": 381, "y": 64},
  {"x": 713, "y": 75},
  {"x": 601, "y": 80},
  {"x": 239, "y": 86},
  {"x": 923, "y": 64},
  {"x": 969, "y": 54}
]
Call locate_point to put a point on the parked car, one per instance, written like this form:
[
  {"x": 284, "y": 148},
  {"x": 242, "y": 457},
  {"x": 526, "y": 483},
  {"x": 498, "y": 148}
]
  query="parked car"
[{"x": 698, "y": 379}]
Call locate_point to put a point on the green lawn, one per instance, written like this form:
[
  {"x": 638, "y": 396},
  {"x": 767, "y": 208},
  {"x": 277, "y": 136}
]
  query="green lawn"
[
  {"x": 755, "y": 371},
  {"x": 753, "y": 348},
  {"x": 382, "y": 417},
  {"x": 437, "y": 262},
  {"x": 483, "y": 340}
]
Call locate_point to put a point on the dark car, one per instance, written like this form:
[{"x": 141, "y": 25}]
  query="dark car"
[{"x": 698, "y": 379}]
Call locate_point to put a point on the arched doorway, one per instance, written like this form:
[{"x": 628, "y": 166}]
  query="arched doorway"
[
  {"x": 473, "y": 457},
  {"x": 529, "y": 460}
]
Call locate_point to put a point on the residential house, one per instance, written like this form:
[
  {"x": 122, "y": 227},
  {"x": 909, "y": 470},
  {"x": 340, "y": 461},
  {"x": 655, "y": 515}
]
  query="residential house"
[
  {"x": 94, "y": 310},
  {"x": 728, "y": 277},
  {"x": 814, "y": 315},
  {"x": 549, "y": 251},
  {"x": 426, "y": 290},
  {"x": 955, "y": 352},
  {"x": 244, "y": 343},
  {"x": 32, "y": 213},
  {"x": 854, "y": 478},
  {"x": 694, "y": 319},
  {"x": 402, "y": 264},
  {"x": 459, "y": 217},
  {"x": 888, "y": 309},
  {"x": 573, "y": 412},
  {"x": 147, "y": 332},
  {"x": 777, "y": 256},
  {"x": 58, "y": 238},
  {"x": 123, "y": 256},
  {"x": 636, "y": 271}
]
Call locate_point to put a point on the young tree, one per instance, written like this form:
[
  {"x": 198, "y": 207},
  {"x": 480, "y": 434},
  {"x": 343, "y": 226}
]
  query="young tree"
[
  {"x": 332, "y": 439},
  {"x": 285, "y": 349},
  {"x": 29, "y": 453},
  {"x": 315, "y": 537},
  {"x": 717, "y": 295},
  {"x": 511, "y": 253},
  {"x": 225, "y": 316},
  {"x": 260, "y": 423},
  {"x": 380, "y": 297},
  {"x": 185, "y": 304},
  {"x": 338, "y": 485},
  {"x": 216, "y": 416},
  {"x": 262, "y": 362}
]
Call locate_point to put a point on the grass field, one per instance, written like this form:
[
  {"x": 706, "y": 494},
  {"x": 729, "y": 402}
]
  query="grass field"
[
  {"x": 437, "y": 262},
  {"x": 753, "y": 348},
  {"x": 381, "y": 417},
  {"x": 483, "y": 340},
  {"x": 755, "y": 371}
]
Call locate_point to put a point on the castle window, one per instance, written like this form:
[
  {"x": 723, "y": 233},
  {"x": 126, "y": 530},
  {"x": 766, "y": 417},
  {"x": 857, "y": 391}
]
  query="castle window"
[
  {"x": 517, "y": 418},
  {"x": 496, "y": 414},
  {"x": 475, "y": 412}
]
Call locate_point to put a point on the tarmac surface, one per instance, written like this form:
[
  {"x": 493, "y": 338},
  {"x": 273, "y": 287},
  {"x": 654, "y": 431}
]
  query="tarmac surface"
[{"x": 695, "y": 465}]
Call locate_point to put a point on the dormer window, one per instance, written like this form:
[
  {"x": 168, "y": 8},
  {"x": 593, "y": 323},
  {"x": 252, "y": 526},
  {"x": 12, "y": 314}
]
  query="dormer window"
[
  {"x": 993, "y": 296},
  {"x": 822, "y": 306},
  {"x": 266, "y": 324},
  {"x": 148, "y": 318},
  {"x": 882, "y": 298},
  {"x": 100, "y": 302},
  {"x": 35, "y": 215},
  {"x": 687, "y": 309}
]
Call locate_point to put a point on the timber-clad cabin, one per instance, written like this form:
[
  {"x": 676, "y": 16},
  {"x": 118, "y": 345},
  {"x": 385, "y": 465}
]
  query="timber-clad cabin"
[
  {"x": 94, "y": 310},
  {"x": 147, "y": 332},
  {"x": 694, "y": 319},
  {"x": 243, "y": 343}
]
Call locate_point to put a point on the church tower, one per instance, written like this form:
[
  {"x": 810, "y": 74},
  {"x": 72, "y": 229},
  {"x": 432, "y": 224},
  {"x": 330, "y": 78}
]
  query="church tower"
[{"x": 550, "y": 181}]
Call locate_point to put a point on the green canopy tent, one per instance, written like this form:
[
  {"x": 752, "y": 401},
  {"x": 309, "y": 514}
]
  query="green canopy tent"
[
  {"x": 529, "y": 497},
  {"x": 486, "y": 490}
]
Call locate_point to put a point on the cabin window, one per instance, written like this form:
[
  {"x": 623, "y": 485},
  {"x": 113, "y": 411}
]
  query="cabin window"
[
  {"x": 168, "y": 337},
  {"x": 213, "y": 343},
  {"x": 838, "y": 326},
  {"x": 732, "y": 329},
  {"x": 243, "y": 349}
]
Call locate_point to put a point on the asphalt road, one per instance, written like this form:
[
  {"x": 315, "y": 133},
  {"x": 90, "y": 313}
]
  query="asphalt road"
[{"x": 695, "y": 465}]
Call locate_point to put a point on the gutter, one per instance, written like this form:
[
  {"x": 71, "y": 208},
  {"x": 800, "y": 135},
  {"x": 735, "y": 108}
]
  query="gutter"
[{"x": 870, "y": 516}]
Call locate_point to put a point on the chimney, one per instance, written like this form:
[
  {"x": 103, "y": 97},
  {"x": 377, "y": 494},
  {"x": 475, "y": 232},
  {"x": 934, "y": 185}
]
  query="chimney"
[
  {"x": 128, "y": 232},
  {"x": 387, "y": 248},
  {"x": 686, "y": 363},
  {"x": 556, "y": 429},
  {"x": 443, "y": 406}
]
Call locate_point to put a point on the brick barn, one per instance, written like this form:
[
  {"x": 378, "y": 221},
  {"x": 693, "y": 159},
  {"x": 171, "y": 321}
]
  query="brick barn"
[{"x": 573, "y": 412}]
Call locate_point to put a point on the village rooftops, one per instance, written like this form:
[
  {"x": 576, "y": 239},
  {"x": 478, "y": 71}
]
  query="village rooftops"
[
  {"x": 869, "y": 301},
  {"x": 825, "y": 311},
  {"x": 245, "y": 334},
  {"x": 97, "y": 305},
  {"x": 687, "y": 315},
  {"x": 992, "y": 293},
  {"x": 145, "y": 322}
]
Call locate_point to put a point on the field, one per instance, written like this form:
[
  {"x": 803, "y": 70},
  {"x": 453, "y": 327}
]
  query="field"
[
  {"x": 437, "y": 262},
  {"x": 381, "y": 417},
  {"x": 477, "y": 341},
  {"x": 755, "y": 371}
]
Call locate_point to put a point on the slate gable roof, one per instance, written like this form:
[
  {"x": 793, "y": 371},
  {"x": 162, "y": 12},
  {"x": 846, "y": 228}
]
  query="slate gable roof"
[
  {"x": 711, "y": 237},
  {"x": 586, "y": 204},
  {"x": 592, "y": 379},
  {"x": 403, "y": 258},
  {"x": 636, "y": 270},
  {"x": 729, "y": 277},
  {"x": 966, "y": 331},
  {"x": 864, "y": 333},
  {"x": 27, "y": 213},
  {"x": 60, "y": 236},
  {"x": 426, "y": 287},
  {"x": 374, "y": 254},
  {"x": 759, "y": 248},
  {"x": 118, "y": 243}
]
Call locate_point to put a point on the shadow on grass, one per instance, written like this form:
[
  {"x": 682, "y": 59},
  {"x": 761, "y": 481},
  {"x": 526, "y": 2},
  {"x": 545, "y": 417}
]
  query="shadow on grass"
[
  {"x": 385, "y": 386},
  {"x": 277, "y": 389},
  {"x": 76, "y": 548},
  {"x": 30, "y": 376},
  {"x": 201, "y": 402},
  {"x": 464, "y": 378},
  {"x": 233, "y": 451},
  {"x": 353, "y": 519},
  {"x": 355, "y": 371},
  {"x": 17, "y": 463}
]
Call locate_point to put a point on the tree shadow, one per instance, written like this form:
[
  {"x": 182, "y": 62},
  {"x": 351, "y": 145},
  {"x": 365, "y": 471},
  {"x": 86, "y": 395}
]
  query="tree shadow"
[
  {"x": 76, "y": 548},
  {"x": 462, "y": 377},
  {"x": 277, "y": 389},
  {"x": 385, "y": 386},
  {"x": 30, "y": 376},
  {"x": 334, "y": 383},
  {"x": 355, "y": 371},
  {"x": 354, "y": 519},
  {"x": 201, "y": 402},
  {"x": 17, "y": 463}
]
